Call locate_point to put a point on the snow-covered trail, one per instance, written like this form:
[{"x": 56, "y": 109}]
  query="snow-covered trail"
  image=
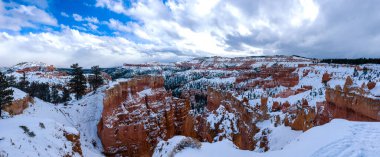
[
  {"x": 339, "y": 138},
  {"x": 363, "y": 140}
]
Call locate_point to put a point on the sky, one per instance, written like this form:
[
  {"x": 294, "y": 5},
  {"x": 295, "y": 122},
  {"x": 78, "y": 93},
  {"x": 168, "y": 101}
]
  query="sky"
[{"x": 112, "y": 32}]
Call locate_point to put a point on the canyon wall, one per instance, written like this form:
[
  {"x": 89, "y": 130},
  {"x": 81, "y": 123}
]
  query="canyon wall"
[
  {"x": 18, "y": 106},
  {"x": 138, "y": 113},
  {"x": 352, "y": 106}
]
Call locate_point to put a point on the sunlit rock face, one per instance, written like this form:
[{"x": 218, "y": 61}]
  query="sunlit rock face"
[
  {"x": 352, "y": 106},
  {"x": 138, "y": 113},
  {"x": 220, "y": 98}
]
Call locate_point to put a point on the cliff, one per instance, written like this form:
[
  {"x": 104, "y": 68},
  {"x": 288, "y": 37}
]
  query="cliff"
[
  {"x": 352, "y": 106},
  {"x": 19, "y": 104},
  {"x": 138, "y": 113}
]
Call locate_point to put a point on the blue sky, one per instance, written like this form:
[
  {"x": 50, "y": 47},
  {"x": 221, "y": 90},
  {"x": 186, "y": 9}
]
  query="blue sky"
[
  {"x": 113, "y": 32},
  {"x": 63, "y": 11}
]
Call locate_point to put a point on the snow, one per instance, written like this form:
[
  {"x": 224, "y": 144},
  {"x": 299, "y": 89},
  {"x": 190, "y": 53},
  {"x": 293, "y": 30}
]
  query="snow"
[
  {"x": 18, "y": 94},
  {"x": 223, "y": 148},
  {"x": 145, "y": 92},
  {"x": 338, "y": 138},
  {"x": 167, "y": 147},
  {"x": 79, "y": 117},
  {"x": 279, "y": 136},
  {"x": 376, "y": 91},
  {"x": 227, "y": 120},
  {"x": 48, "y": 141}
]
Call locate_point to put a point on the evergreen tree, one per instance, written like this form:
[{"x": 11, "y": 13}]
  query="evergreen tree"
[
  {"x": 23, "y": 84},
  {"x": 6, "y": 94},
  {"x": 65, "y": 95},
  {"x": 356, "y": 73},
  {"x": 365, "y": 70},
  {"x": 96, "y": 80},
  {"x": 55, "y": 98},
  {"x": 12, "y": 81},
  {"x": 78, "y": 82},
  {"x": 39, "y": 90}
]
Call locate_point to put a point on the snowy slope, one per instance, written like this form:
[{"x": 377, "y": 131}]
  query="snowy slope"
[
  {"x": 79, "y": 116},
  {"x": 339, "y": 138}
]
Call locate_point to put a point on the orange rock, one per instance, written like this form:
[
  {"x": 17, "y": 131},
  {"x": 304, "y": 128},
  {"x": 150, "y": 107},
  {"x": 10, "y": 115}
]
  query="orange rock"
[
  {"x": 304, "y": 119},
  {"x": 75, "y": 139},
  {"x": 276, "y": 107},
  {"x": 352, "y": 106},
  {"x": 132, "y": 125},
  {"x": 326, "y": 77},
  {"x": 18, "y": 106},
  {"x": 371, "y": 85}
]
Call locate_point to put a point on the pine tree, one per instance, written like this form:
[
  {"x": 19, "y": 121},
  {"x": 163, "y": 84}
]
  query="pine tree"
[
  {"x": 54, "y": 95},
  {"x": 96, "y": 80},
  {"x": 39, "y": 90},
  {"x": 12, "y": 81},
  {"x": 356, "y": 73},
  {"x": 78, "y": 82},
  {"x": 23, "y": 84},
  {"x": 6, "y": 94},
  {"x": 65, "y": 95}
]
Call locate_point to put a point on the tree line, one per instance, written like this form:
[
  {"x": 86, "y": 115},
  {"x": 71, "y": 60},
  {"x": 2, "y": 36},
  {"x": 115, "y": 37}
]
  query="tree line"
[
  {"x": 55, "y": 93},
  {"x": 352, "y": 61}
]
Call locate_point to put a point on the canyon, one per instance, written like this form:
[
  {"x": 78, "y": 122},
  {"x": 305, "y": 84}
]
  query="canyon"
[{"x": 259, "y": 104}]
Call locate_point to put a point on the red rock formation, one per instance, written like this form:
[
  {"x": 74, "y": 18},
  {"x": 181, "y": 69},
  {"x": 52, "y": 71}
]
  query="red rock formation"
[
  {"x": 304, "y": 119},
  {"x": 326, "y": 77},
  {"x": 276, "y": 107},
  {"x": 352, "y": 106},
  {"x": 371, "y": 85},
  {"x": 138, "y": 113},
  {"x": 18, "y": 106},
  {"x": 75, "y": 139},
  {"x": 244, "y": 113}
]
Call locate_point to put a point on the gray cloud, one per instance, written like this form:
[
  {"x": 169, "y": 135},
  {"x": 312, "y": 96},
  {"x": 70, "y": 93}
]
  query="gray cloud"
[
  {"x": 177, "y": 30},
  {"x": 320, "y": 28}
]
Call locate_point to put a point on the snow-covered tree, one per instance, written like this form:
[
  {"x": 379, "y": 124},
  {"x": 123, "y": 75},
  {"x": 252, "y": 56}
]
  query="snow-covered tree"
[
  {"x": 6, "y": 94},
  {"x": 96, "y": 80},
  {"x": 78, "y": 82}
]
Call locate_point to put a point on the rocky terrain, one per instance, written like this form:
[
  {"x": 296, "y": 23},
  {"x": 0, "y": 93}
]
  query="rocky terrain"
[{"x": 263, "y": 105}]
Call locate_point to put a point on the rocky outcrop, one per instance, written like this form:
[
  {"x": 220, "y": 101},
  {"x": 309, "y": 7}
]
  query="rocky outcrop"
[
  {"x": 245, "y": 116},
  {"x": 140, "y": 112},
  {"x": 304, "y": 119},
  {"x": 351, "y": 105},
  {"x": 371, "y": 85},
  {"x": 326, "y": 77},
  {"x": 18, "y": 106},
  {"x": 75, "y": 139}
]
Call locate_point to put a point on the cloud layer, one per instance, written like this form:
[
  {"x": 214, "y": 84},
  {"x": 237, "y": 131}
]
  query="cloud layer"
[{"x": 179, "y": 29}]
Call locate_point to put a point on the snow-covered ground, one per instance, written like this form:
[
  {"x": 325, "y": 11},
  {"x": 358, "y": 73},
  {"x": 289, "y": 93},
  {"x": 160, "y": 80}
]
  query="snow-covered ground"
[
  {"x": 48, "y": 122},
  {"x": 339, "y": 138}
]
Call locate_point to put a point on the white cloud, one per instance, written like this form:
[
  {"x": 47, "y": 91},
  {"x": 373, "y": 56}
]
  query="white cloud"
[
  {"x": 71, "y": 46},
  {"x": 91, "y": 19},
  {"x": 192, "y": 28},
  {"x": 92, "y": 26},
  {"x": 64, "y": 14},
  {"x": 201, "y": 27},
  {"x": 313, "y": 28},
  {"x": 118, "y": 26},
  {"x": 77, "y": 17},
  {"x": 15, "y": 17},
  {"x": 113, "y": 5}
]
